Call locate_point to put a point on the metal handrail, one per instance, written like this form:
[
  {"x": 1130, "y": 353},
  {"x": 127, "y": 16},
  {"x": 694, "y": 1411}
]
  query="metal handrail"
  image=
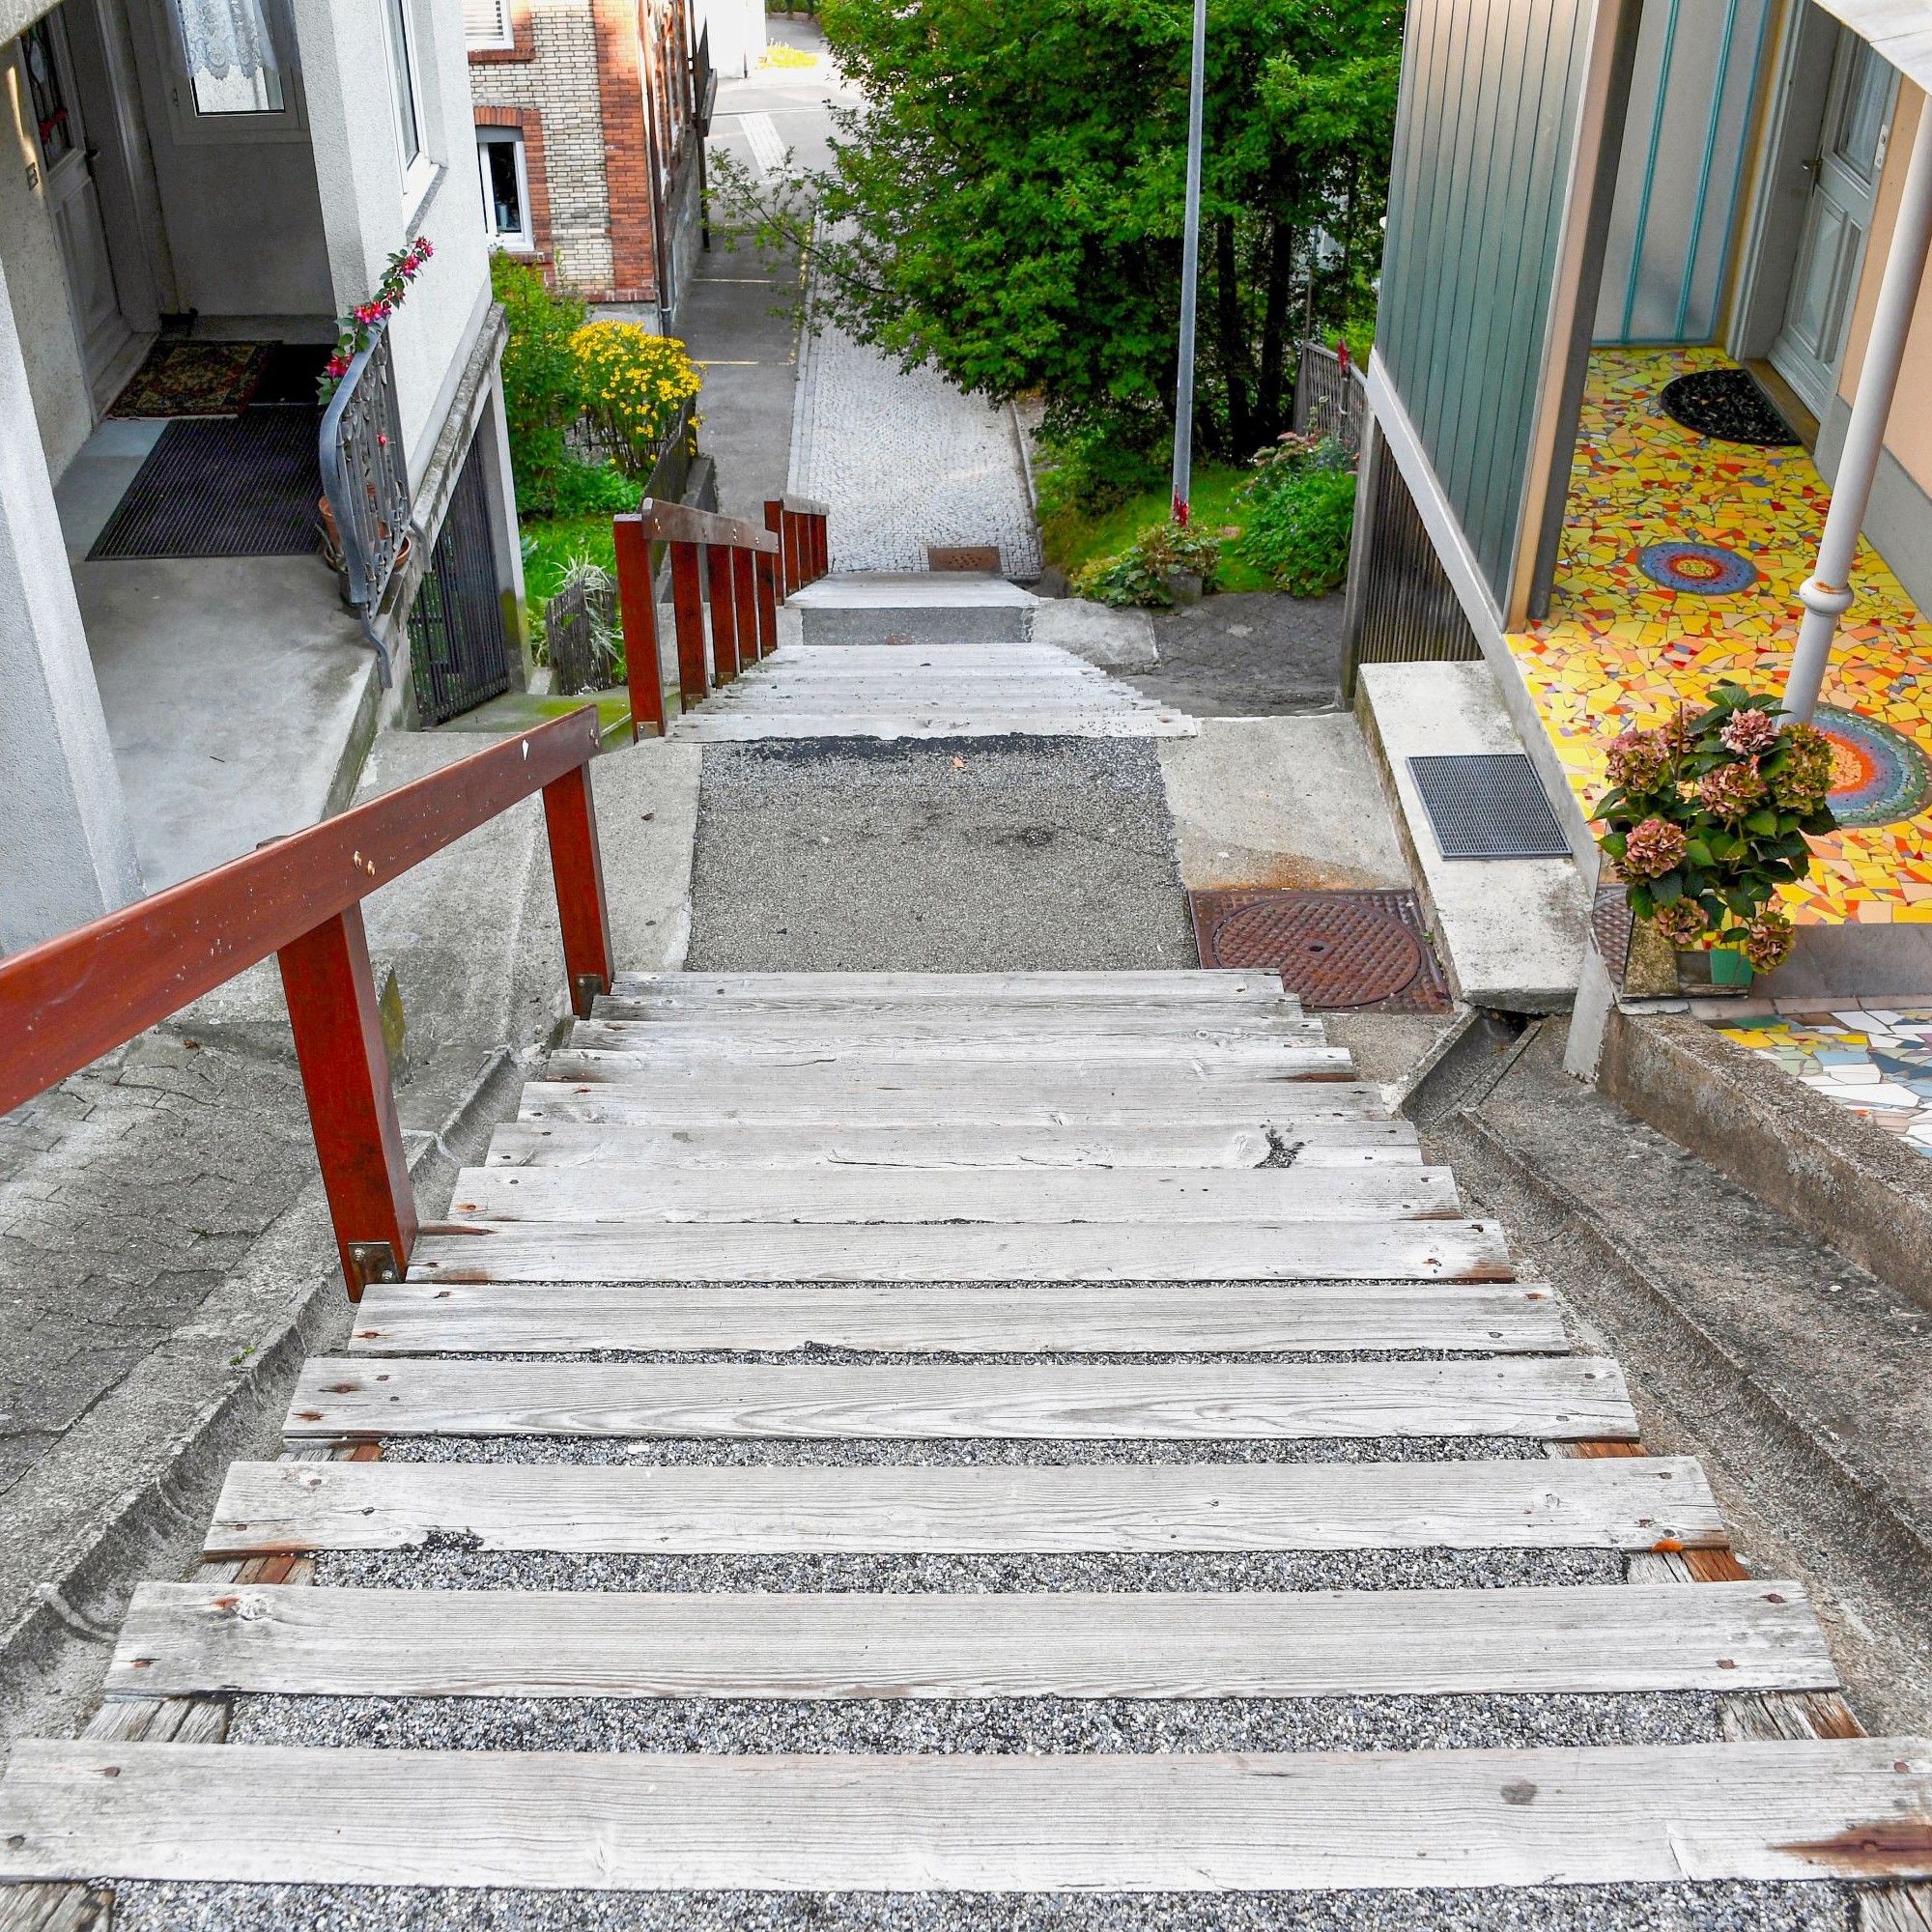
[{"x": 364, "y": 478}]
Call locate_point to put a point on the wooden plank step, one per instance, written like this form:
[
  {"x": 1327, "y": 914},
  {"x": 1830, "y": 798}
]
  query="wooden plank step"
[
  {"x": 1621, "y": 1503},
  {"x": 1206, "y": 984},
  {"x": 598, "y": 1051},
  {"x": 1030, "y": 1019},
  {"x": 1575, "y": 1398},
  {"x": 188, "y": 1639},
  {"x": 1328, "y": 1144},
  {"x": 414, "y": 1317},
  {"x": 881, "y": 1195},
  {"x": 703, "y": 728},
  {"x": 931, "y": 1095},
  {"x": 1181, "y": 1822},
  {"x": 981, "y": 1251}
]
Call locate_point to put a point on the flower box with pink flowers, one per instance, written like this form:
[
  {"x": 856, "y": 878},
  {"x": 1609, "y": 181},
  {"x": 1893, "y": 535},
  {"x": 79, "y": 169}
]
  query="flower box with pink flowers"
[{"x": 1710, "y": 815}]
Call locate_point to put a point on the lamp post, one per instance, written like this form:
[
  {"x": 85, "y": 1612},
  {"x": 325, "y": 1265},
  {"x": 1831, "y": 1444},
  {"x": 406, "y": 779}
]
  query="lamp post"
[{"x": 1190, "y": 253}]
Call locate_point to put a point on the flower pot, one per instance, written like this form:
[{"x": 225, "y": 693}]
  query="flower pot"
[
  {"x": 1716, "y": 972},
  {"x": 1729, "y": 968},
  {"x": 1186, "y": 586}
]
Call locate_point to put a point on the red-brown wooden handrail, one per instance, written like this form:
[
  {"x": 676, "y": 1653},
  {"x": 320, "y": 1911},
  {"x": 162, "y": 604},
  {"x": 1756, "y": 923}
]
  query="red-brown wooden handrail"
[
  {"x": 739, "y": 574},
  {"x": 799, "y": 524},
  {"x": 65, "y": 1002}
]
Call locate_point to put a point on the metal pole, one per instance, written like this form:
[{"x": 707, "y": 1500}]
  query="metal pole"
[
  {"x": 1190, "y": 254},
  {"x": 1827, "y": 594}
]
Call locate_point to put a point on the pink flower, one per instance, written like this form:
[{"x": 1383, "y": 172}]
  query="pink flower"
[
  {"x": 338, "y": 365},
  {"x": 1731, "y": 791},
  {"x": 1748, "y": 732},
  {"x": 1767, "y": 940},
  {"x": 1681, "y": 922},
  {"x": 1639, "y": 760},
  {"x": 1652, "y": 848}
]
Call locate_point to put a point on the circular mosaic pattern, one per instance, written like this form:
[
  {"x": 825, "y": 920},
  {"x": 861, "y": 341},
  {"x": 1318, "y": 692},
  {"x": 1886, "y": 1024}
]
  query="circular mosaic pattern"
[
  {"x": 1878, "y": 775},
  {"x": 1331, "y": 953},
  {"x": 1702, "y": 569}
]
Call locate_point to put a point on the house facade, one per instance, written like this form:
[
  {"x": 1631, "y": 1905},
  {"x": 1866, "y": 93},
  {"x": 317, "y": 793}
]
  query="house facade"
[
  {"x": 198, "y": 189},
  {"x": 1592, "y": 200},
  {"x": 590, "y": 123}
]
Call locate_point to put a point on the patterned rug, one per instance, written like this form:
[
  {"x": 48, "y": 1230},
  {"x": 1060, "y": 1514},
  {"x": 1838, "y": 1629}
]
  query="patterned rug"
[
  {"x": 194, "y": 379},
  {"x": 1728, "y": 406}
]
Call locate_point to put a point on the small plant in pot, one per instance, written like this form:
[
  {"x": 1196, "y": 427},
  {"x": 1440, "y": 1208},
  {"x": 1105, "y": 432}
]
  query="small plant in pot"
[{"x": 1708, "y": 816}]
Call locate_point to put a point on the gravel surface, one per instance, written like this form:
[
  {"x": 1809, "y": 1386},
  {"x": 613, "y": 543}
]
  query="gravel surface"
[
  {"x": 946, "y": 855},
  {"x": 1737, "y": 1907},
  {"x": 449, "y": 1562},
  {"x": 991, "y": 1725},
  {"x": 781, "y": 1452}
]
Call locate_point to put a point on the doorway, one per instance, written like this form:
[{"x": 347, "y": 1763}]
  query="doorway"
[{"x": 1837, "y": 103}]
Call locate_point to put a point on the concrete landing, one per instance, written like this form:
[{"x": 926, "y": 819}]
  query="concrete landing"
[
  {"x": 1510, "y": 931},
  {"x": 913, "y": 608}
]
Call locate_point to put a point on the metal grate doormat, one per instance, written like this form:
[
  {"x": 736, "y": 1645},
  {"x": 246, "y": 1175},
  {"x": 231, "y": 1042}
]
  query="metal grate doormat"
[
  {"x": 248, "y": 486},
  {"x": 1345, "y": 951},
  {"x": 1488, "y": 805}
]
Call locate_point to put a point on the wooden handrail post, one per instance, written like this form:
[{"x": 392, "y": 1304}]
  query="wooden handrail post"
[
  {"x": 767, "y": 566},
  {"x": 638, "y": 615},
  {"x": 821, "y": 545},
  {"x": 687, "y": 601},
  {"x": 352, "y": 1106},
  {"x": 577, "y": 870},
  {"x": 775, "y": 522},
  {"x": 794, "y": 562},
  {"x": 745, "y": 606},
  {"x": 724, "y": 613}
]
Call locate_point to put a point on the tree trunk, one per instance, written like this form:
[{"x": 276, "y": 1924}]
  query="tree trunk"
[
  {"x": 1269, "y": 419},
  {"x": 1234, "y": 342}
]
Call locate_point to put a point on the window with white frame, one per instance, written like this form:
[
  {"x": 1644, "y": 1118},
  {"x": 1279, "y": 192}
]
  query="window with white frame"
[
  {"x": 488, "y": 24},
  {"x": 506, "y": 190},
  {"x": 233, "y": 65},
  {"x": 407, "y": 94}
]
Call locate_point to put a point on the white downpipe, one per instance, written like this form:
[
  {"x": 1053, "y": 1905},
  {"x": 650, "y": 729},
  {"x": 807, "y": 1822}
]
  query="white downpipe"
[{"x": 1827, "y": 594}]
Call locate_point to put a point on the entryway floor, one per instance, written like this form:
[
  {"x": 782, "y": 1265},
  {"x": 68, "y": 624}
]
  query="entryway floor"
[
  {"x": 1621, "y": 649},
  {"x": 238, "y": 691}
]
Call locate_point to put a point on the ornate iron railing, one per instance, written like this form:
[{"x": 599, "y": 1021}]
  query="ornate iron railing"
[{"x": 365, "y": 480}]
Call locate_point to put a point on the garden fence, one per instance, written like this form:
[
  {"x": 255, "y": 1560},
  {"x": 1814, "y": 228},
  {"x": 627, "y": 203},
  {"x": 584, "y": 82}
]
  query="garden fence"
[{"x": 1330, "y": 398}]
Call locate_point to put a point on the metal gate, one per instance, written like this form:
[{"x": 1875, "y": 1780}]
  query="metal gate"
[{"x": 459, "y": 651}]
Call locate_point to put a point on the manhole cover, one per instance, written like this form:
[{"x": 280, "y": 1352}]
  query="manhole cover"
[{"x": 1339, "y": 951}]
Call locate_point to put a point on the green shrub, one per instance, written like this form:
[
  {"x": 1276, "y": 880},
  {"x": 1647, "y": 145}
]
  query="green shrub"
[
  {"x": 1300, "y": 507},
  {"x": 1096, "y": 468},
  {"x": 1139, "y": 574}
]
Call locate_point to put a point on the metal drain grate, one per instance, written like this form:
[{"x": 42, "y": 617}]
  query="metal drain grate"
[
  {"x": 1488, "y": 805},
  {"x": 1341, "y": 951}
]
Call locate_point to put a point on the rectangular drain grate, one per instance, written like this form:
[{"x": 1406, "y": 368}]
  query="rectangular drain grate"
[{"x": 1488, "y": 805}]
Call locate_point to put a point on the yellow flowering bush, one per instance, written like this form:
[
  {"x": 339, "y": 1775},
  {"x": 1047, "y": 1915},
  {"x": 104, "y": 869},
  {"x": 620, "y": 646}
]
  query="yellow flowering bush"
[{"x": 634, "y": 384}]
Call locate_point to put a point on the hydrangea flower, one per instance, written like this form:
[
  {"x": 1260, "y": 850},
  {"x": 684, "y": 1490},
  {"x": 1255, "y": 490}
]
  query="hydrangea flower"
[
  {"x": 1682, "y": 922},
  {"x": 1639, "y": 760},
  {"x": 1767, "y": 940},
  {"x": 1748, "y": 732},
  {"x": 1732, "y": 791},
  {"x": 1652, "y": 848},
  {"x": 1803, "y": 775}
]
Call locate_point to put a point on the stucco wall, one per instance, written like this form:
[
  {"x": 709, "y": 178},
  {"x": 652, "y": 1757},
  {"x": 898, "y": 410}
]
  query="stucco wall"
[{"x": 36, "y": 285}]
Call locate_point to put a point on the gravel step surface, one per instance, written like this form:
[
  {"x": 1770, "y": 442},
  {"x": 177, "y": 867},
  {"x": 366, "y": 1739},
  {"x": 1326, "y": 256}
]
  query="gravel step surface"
[
  {"x": 1733, "y": 1907},
  {"x": 980, "y": 1725},
  {"x": 788, "y": 1453},
  {"x": 454, "y": 1562}
]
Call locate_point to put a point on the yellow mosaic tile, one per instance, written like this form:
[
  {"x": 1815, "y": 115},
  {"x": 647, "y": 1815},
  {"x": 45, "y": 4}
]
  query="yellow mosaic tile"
[{"x": 1620, "y": 650}]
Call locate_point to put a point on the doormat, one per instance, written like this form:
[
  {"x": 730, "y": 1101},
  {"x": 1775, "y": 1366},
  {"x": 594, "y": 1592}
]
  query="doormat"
[
  {"x": 1727, "y": 406},
  {"x": 1488, "y": 805},
  {"x": 248, "y": 486},
  {"x": 194, "y": 379},
  {"x": 1345, "y": 951}
]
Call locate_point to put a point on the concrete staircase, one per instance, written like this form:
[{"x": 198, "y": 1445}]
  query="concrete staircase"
[
  {"x": 863, "y": 1443},
  {"x": 935, "y": 656}
]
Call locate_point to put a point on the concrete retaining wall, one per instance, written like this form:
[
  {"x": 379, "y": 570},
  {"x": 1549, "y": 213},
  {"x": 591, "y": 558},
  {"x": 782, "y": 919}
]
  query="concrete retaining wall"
[{"x": 1836, "y": 1176}]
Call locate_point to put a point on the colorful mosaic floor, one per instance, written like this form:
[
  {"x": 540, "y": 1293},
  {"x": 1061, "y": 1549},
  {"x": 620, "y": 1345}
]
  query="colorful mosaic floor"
[
  {"x": 1877, "y": 1063},
  {"x": 1680, "y": 569}
]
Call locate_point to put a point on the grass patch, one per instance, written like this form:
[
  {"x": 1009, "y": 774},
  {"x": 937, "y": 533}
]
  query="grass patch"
[
  {"x": 1072, "y": 538},
  {"x": 550, "y": 543}
]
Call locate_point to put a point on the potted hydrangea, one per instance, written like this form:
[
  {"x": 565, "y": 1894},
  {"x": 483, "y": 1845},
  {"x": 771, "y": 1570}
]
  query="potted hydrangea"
[{"x": 1708, "y": 816}]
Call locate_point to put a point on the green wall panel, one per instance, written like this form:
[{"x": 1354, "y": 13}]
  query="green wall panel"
[{"x": 1490, "y": 92}]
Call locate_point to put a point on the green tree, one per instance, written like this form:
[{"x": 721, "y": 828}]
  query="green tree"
[{"x": 1008, "y": 202}]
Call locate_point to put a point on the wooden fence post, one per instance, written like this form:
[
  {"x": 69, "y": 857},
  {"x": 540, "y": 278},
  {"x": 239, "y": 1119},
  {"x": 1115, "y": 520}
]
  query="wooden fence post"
[
  {"x": 577, "y": 870},
  {"x": 745, "y": 606},
  {"x": 766, "y": 564},
  {"x": 694, "y": 679},
  {"x": 724, "y": 613},
  {"x": 638, "y": 614},
  {"x": 352, "y": 1106},
  {"x": 775, "y": 522}
]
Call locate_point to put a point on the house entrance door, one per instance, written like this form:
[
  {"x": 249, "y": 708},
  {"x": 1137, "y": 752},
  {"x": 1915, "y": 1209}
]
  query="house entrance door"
[
  {"x": 73, "y": 201},
  {"x": 1843, "y": 174}
]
